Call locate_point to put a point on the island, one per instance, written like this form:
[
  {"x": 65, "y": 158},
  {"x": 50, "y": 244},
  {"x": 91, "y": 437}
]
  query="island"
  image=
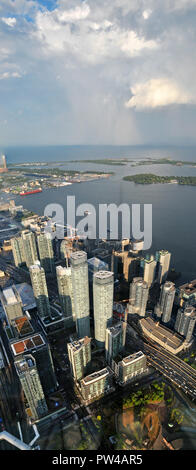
[
  {"x": 150, "y": 178},
  {"x": 25, "y": 178}
]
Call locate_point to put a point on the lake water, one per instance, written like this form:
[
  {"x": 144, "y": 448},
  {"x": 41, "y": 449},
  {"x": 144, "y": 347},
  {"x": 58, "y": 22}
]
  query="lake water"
[{"x": 173, "y": 206}]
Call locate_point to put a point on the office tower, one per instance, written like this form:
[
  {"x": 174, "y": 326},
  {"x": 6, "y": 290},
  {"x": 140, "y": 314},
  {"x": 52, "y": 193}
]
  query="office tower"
[
  {"x": 65, "y": 290},
  {"x": 79, "y": 272},
  {"x": 79, "y": 353},
  {"x": 29, "y": 246},
  {"x": 165, "y": 305},
  {"x": 38, "y": 280},
  {"x": 12, "y": 303},
  {"x": 163, "y": 261},
  {"x": 115, "y": 341},
  {"x": 185, "y": 321},
  {"x": 18, "y": 251},
  {"x": 149, "y": 270},
  {"x": 66, "y": 248},
  {"x": 126, "y": 263},
  {"x": 138, "y": 296},
  {"x": 131, "y": 367},
  {"x": 35, "y": 345},
  {"x": 46, "y": 254},
  {"x": 103, "y": 291},
  {"x": 96, "y": 384},
  {"x": 31, "y": 385}
]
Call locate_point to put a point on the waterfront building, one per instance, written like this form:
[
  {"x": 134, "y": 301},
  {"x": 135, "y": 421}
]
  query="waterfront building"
[
  {"x": 79, "y": 353},
  {"x": 165, "y": 305},
  {"x": 46, "y": 254},
  {"x": 149, "y": 270},
  {"x": 186, "y": 294},
  {"x": 97, "y": 384},
  {"x": 163, "y": 262},
  {"x": 131, "y": 367},
  {"x": 138, "y": 296},
  {"x": 126, "y": 264},
  {"x": 79, "y": 272},
  {"x": 29, "y": 246},
  {"x": 18, "y": 251},
  {"x": 162, "y": 335},
  {"x": 38, "y": 280},
  {"x": 12, "y": 303},
  {"x": 115, "y": 341},
  {"x": 103, "y": 292},
  {"x": 65, "y": 290},
  {"x": 185, "y": 321},
  {"x": 29, "y": 378}
]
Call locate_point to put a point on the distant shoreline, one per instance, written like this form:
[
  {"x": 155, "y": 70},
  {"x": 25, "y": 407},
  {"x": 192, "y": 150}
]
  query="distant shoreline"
[{"x": 150, "y": 178}]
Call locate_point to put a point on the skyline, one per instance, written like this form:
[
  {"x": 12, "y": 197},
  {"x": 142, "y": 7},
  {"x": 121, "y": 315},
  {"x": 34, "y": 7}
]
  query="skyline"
[{"x": 117, "y": 73}]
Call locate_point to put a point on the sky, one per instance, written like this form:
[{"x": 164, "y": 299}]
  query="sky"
[{"x": 118, "y": 72}]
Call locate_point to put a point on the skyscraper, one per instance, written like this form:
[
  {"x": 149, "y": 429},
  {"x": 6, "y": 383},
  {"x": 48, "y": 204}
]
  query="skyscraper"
[
  {"x": 149, "y": 268},
  {"x": 38, "y": 280},
  {"x": 31, "y": 385},
  {"x": 18, "y": 251},
  {"x": 103, "y": 291},
  {"x": 29, "y": 246},
  {"x": 35, "y": 345},
  {"x": 79, "y": 353},
  {"x": 185, "y": 321},
  {"x": 165, "y": 305},
  {"x": 138, "y": 296},
  {"x": 163, "y": 262},
  {"x": 79, "y": 272},
  {"x": 46, "y": 254},
  {"x": 131, "y": 367},
  {"x": 65, "y": 289},
  {"x": 96, "y": 384},
  {"x": 115, "y": 341},
  {"x": 12, "y": 303}
]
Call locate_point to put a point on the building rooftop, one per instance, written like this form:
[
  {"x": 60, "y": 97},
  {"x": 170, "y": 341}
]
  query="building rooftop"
[
  {"x": 22, "y": 326},
  {"x": 96, "y": 375},
  {"x": 9, "y": 296},
  {"x": 76, "y": 345},
  {"x": 162, "y": 334},
  {"x": 133, "y": 357},
  {"x": 27, "y": 344},
  {"x": 27, "y": 296},
  {"x": 188, "y": 288},
  {"x": 24, "y": 364}
]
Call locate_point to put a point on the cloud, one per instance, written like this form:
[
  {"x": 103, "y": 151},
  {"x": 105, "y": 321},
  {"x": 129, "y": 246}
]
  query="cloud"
[
  {"x": 6, "y": 75},
  {"x": 75, "y": 14},
  {"x": 11, "y": 22},
  {"x": 88, "y": 41},
  {"x": 158, "y": 92}
]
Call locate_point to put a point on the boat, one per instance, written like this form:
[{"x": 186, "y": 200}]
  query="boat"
[{"x": 33, "y": 191}]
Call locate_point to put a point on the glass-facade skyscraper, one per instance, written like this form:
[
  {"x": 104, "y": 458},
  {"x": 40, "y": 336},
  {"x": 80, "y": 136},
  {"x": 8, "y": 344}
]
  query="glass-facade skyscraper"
[
  {"x": 103, "y": 292},
  {"x": 31, "y": 385},
  {"x": 46, "y": 254},
  {"x": 79, "y": 353},
  {"x": 138, "y": 296},
  {"x": 65, "y": 290},
  {"x": 38, "y": 280},
  {"x": 79, "y": 272}
]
